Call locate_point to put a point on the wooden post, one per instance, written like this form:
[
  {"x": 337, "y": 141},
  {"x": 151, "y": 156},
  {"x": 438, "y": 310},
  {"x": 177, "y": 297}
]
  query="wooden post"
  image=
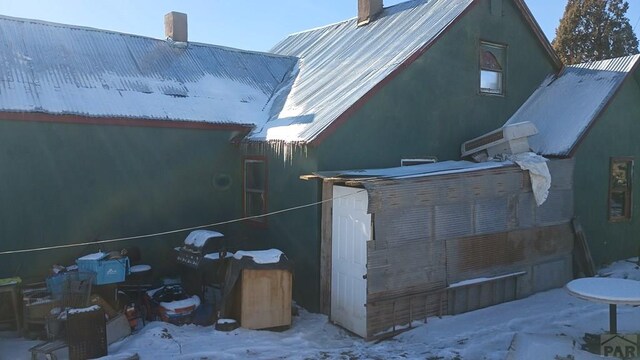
[
  {"x": 325, "y": 248},
  {"x": 613, "y": 318}
]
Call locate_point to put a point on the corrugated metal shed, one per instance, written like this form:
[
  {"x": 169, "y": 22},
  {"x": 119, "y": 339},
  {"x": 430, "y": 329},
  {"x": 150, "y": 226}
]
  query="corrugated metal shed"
[
  {"x": 565, "y": 106},
  {"x": 342, "y": 62},
  {"x": 62, "y": 69}
]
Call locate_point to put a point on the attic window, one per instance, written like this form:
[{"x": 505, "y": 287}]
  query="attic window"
[
  {"x": 620, "y": 181},
  {"x": 492, "y": 61}
]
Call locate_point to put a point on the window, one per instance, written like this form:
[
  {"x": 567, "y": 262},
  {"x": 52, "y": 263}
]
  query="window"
[
  {"x": 255, "y": 187},
  {"x": 492, "y": 61},
  {"x": 620, "y": 180}
]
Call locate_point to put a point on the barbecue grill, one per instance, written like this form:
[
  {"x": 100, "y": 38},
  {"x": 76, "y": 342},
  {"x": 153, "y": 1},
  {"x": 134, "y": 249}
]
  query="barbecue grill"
[
  {"x": 199, "y": 244},
  {"x": 201, "y": 256}
]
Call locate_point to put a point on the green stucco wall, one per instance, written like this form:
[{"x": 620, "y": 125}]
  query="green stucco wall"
[
  {"x": 614, "y": 134},
  {"x": 295, "y": 232},
  {"x": 428, "y": 110},
  {"x": 70, "y": 183}
]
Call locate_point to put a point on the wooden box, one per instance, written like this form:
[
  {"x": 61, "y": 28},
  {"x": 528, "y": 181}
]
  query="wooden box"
[{"x": 264, "y": 299}]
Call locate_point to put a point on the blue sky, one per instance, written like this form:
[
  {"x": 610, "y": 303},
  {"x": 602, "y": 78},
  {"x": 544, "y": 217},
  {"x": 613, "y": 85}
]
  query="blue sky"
[{"x": 247, "y": 24}]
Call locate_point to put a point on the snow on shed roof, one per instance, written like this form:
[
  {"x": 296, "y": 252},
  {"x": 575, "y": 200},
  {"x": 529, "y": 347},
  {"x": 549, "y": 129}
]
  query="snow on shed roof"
[
  {"x": 406, "y": 172},
  {"x": 340, "y": 63},
  {"x": 565, "y": 106},
  {"x": 61, "y": 69}
]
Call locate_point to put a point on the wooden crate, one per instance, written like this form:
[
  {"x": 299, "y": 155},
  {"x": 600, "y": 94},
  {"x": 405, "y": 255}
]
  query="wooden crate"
[{"x": 264, "y": 299}]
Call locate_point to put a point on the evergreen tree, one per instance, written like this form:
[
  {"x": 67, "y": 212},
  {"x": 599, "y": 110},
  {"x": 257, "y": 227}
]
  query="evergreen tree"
[{"x": 594, "y": 30}]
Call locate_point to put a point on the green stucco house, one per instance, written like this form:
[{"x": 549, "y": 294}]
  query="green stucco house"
[{"x": 108, "y": 135}]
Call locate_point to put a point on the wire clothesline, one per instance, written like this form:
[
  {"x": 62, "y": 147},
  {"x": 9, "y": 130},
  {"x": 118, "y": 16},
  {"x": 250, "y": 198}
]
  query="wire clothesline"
[{"x": 9, "y": 252}]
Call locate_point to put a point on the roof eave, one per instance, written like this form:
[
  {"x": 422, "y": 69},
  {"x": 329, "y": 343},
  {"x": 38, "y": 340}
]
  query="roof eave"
[
  {"x": 120, "y": 121},
  {"x": 537, "y": 30}
]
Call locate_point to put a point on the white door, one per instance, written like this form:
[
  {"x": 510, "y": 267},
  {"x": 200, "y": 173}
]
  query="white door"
[{"x": 351, "y": 231}]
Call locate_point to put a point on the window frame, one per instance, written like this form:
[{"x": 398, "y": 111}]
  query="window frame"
[
  {"x": 502, "y": 73},
  {"x": 627, "y": 190},
  {"x": 245, "y": 190}
]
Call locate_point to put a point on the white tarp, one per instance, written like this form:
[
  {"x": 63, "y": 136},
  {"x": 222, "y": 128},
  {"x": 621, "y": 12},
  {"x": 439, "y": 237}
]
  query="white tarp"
[{"x": 539, "y": 172}]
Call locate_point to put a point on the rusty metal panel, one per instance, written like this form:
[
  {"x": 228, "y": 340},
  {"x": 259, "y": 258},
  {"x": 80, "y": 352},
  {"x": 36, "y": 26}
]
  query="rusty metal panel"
[
  {"x": 477, "y": 256},
  {"x": 487, "y": 255},
  {"x": 453, "y": 221},
  {"x": 557, "y": 209}
]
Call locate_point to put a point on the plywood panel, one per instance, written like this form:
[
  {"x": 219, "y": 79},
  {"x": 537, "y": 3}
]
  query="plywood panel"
[{"x": 265, "y": 299}]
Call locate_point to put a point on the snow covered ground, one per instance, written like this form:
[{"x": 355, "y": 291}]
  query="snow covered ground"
[{"x": 549, "y": 325}]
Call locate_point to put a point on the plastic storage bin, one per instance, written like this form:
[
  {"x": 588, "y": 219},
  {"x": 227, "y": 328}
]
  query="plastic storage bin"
[{"x": 108, "y": 271}]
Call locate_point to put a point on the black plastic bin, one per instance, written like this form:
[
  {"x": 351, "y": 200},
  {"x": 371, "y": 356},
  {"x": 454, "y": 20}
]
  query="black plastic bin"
[{"x": 86, "y": 333}]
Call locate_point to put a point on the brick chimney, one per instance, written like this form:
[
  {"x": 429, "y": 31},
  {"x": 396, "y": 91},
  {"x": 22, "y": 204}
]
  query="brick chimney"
[
  {"x": 175, "y": 26},
  {"x": 367, "y": 11}
]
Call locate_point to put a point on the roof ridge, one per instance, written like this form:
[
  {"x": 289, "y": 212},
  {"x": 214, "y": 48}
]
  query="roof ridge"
[
  {"x": 601, "y": 61},
  {"x": 384, "y": 9},
  {"x": 120, "y": 33}
]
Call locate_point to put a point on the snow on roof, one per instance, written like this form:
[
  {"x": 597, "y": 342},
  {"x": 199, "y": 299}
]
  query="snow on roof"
[
  {"x": 406, "y": 172},
  {"x": 340, "y": 63},
  {"x": 61, "y": 69},
  {"x": 564, "y": 106}
]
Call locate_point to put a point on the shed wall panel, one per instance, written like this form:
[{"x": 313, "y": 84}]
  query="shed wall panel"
[
  {"x": 492, "y": 215},
  {"x": 526, "y": 210},
  {"x": 399, "y": 226},
  {"x": 453, "y": 220},
  {"x": 495, "y": 254},
  {"x": 402, "y": 268},
  {"x": 557, "y": 209},
  {"x": 443, "y": 189}
]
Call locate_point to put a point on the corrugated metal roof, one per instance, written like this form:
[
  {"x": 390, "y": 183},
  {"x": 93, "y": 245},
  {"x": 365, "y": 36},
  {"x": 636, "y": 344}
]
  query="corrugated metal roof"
[
  {"x": 405, "y": 172},
  {"x": 340, "y": 63},
  {"x": 564, "y": 106},
  {"x": 61, "y": 69}
]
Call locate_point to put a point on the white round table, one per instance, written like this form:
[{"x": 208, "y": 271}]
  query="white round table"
[{"x": 610, "y": 291}]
